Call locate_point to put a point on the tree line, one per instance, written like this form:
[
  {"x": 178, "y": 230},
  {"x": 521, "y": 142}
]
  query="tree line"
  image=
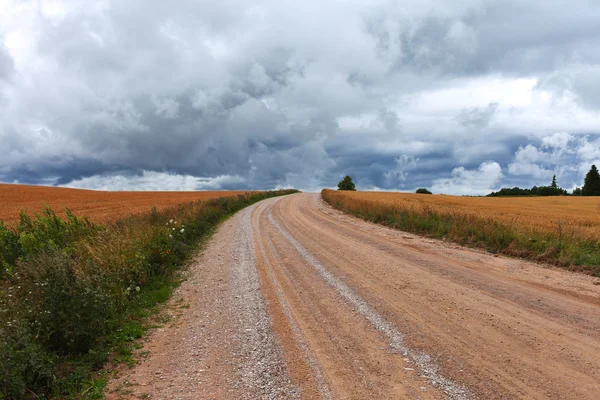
[{"x": 591, "y": 187}]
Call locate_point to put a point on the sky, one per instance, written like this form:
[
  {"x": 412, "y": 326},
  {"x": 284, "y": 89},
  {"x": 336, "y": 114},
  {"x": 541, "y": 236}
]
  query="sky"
[{"x": 462, "y": 97}]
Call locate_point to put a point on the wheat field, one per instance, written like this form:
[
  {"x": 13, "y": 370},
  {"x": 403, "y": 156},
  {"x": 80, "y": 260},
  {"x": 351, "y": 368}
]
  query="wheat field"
[
  {"x": 574, "y": 215},
  {"x": 97, "y": 206}
]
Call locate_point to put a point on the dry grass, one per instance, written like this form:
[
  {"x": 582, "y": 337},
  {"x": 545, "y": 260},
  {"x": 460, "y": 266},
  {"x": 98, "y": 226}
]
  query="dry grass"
[
  {"x": 561, "y": 230},
  {"x": 97, "y": 206},
  {"x": 576, "y": 215}
]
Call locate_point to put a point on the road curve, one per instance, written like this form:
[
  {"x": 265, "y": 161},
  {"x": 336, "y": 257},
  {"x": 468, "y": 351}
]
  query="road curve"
[{"x": 293, "y": 299}]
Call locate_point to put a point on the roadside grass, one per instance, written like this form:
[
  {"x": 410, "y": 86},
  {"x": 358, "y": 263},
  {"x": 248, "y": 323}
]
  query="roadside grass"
[
  {"x": 74, "y": 294},
  {"x": 562, "y": 247}
]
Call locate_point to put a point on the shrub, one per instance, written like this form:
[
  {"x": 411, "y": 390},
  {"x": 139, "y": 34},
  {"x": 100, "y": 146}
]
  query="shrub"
[{"x": 423, "y": 191}]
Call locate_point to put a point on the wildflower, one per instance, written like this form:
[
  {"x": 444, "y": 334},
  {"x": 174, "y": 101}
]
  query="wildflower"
[
  {"x": 137, "y": 288},
  {"x": 171, "y": 221},
  {"x": 171, "y": 236},
  {"x": 181, "y": 231}
]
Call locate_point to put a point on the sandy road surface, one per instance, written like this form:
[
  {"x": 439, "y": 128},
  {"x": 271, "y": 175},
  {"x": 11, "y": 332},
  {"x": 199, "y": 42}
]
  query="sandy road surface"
[{"x": 292, "y": 299}]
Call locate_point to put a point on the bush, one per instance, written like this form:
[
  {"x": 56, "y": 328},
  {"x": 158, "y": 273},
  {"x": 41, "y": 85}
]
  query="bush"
[{"x": 423, "y": 191}]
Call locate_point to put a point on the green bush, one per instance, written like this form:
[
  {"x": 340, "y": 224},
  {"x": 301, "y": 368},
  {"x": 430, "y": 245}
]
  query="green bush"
[{"x": 423, "y": 191}]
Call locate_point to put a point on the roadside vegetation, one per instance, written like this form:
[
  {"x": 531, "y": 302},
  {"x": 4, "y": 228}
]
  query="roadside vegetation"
[
  {"x": 561, "y": 231},
  {"x": 74, "y": 294}
]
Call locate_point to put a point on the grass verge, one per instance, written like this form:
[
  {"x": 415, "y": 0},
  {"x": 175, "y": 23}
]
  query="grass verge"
[
  {"x": 73, "y": 292},
  {"x": 562, "y": 248}
]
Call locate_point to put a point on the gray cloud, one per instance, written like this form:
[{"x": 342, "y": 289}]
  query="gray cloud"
[
  {"x": 233, "y": 94},
  {"x": 6, "y": 63}
]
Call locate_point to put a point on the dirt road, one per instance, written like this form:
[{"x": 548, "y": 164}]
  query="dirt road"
[{"x": 292, "y": 299}]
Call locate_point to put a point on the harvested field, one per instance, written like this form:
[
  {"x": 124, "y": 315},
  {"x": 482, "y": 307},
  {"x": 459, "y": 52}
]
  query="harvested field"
[
  {"x": 97, "y": 206},
  {"x": 561, "y": 230}
]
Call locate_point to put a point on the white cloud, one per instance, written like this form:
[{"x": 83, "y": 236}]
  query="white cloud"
[
  {"x": 559, "y": 140},
  {"x": 156, "y": 181},
  {"x": 564, "y": 154},
  {"x": 480, "y": 181},
  {"x": 525, "y": 162}
]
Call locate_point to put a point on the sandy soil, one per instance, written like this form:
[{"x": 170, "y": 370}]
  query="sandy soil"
[{"x": 292, "y": 299}]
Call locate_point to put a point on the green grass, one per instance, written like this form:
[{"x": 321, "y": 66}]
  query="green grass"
[
  {"x": 561, "y": 248},
  {"x": 74, "y": 294}
]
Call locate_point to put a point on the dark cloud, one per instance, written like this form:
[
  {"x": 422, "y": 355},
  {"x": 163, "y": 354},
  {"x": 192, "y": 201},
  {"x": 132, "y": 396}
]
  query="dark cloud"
[{"x": 234, "y": 94}]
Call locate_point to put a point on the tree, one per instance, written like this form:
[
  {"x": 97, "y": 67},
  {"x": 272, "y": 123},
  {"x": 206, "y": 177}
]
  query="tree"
[
  {"x": 577, "y": 191},
  {"x": 554, "y": 185},
  {"x": 346, "y": 184},
  {"x": 591, "y": 184},
  {"x": 423, "y": 191}
]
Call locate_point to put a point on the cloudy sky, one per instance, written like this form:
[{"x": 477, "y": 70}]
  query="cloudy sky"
[{"x": 459, "y": 96}]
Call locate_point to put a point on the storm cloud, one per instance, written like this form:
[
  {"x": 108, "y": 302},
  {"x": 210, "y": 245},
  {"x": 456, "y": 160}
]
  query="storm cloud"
[{"x": 463, "y": 98}]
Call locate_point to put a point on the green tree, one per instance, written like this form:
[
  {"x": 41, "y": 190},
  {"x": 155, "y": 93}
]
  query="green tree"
[
  {"x": 346, "y": 184},
  {"x": 577, "y": 191},
  {"x": 554, "y": 185},
  {"x": 591, "y": 185},
  {"x": 423, "y": 191}
]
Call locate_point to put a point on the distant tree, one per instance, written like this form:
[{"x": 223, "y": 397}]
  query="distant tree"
[
  {"x": 423, "y": 191},
  {"x": 534, "y": 191},
  {"x": 591, "y": 185},
  {"x": 346, "y": 184},
  {"x": 577, "y": 191},
  {"x": 554, "y": 185},
  {"x": 516, "y": 191}
]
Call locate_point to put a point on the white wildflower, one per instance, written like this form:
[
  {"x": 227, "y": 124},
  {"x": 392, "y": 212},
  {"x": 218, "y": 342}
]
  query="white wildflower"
[
  {"x": 171, "y": 221},
  {"x": 181, "y": 231},
  {"x": 137, "y": 288}
]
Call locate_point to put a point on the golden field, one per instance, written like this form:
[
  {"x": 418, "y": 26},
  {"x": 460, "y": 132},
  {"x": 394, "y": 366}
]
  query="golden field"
[
  {"x": 561, "y": 230},
  {"x": 97, "y": 206},
  {"x": 576, "y": 215}
]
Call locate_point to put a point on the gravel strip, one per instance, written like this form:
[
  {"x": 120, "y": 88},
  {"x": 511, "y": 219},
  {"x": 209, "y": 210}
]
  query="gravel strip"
[{"x": 262, "y": 372}]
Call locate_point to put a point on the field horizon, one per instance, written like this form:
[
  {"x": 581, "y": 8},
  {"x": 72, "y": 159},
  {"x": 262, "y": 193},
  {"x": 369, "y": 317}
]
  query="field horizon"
[{"x": 101, "y": 206}]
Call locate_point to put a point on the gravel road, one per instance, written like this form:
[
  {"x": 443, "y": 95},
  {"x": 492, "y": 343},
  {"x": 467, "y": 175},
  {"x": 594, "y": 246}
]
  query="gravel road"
[{"x": 292, "y": 299}]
